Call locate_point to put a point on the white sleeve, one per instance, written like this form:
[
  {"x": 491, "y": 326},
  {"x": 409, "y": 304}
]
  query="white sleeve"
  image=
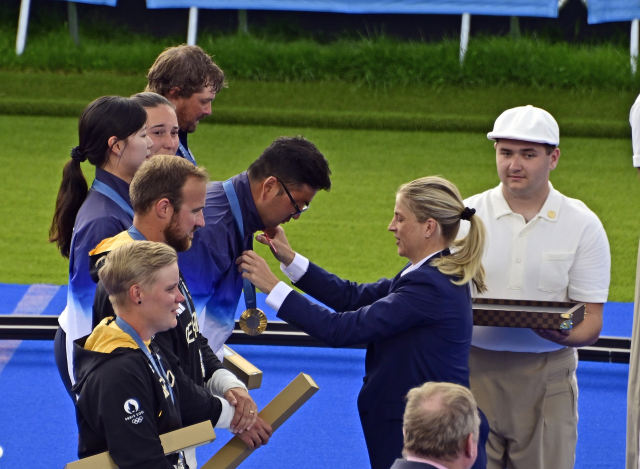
[
  {"x": 277, "y": 296},
  {"x": 221, "y": 381},
  {"x": 297, "y": 268},
  {"x": 590, "y": 274},
  {"x": 226, "y": 416},
  {"x": 634, "y": 120}
]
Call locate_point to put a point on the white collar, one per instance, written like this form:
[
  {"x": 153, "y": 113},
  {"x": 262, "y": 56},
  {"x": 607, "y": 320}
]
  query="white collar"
[
  {"x": 550, "y": 209},
  {"x": 425, "y": 460},
  {"x": 413, "y": 267}
]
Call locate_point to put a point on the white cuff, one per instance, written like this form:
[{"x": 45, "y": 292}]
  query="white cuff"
[
  {"x": 297, "y": 268},
  {"x": 226, "y": 416},
  {"x": 278, "y": 295},
  {"x": 221, "y": 381},
  {"x": 636, "y": 163}
]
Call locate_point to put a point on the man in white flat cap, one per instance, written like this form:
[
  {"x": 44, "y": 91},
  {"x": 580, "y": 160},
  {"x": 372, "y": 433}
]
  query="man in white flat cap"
[{"x": 543, "y": 246}]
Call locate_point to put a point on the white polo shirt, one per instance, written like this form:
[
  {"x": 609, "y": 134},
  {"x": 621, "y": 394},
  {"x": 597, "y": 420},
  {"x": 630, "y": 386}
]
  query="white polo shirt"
[{"x": 562, "y": 254}]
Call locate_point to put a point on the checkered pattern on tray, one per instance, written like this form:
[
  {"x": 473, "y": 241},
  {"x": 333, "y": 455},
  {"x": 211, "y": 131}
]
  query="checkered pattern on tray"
[{"x": 534, "y": 320}]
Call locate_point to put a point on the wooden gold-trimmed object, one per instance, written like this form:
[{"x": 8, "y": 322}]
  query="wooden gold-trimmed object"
[
  {"x": 243, "y": 369},
  {"x": 172, "y": 442},
  {"x": 275, "y": 413},
  {"x": 557, "y": 315}
]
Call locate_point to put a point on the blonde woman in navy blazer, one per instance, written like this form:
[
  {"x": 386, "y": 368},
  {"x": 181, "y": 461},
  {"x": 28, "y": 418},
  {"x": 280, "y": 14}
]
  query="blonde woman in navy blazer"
[{"x": 417, "y": 325}]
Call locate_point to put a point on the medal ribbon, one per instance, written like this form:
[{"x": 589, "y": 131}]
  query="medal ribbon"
[
  {"x": 108, "y": 192},
  {"x": 187, "y": 155},
  {"x": 122, "y": 324},
  {"x": 249, "y": 289}
]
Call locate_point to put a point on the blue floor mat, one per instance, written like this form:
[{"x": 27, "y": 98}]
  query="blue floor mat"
[{"x": 37, "y": 424}]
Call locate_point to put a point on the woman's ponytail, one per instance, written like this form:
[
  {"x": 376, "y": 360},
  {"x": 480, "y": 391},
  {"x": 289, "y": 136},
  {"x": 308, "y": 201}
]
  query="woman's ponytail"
[{"x": 73, "y": 190}]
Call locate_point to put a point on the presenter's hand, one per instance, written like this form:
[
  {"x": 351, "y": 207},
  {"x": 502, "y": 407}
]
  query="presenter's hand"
[
  {"x": 255, "y": 269},
  {"x": 246, "y": 412},
  {"x": 278, "y": 241},
  {"x": 559, "y": 337},
  {"x": 259, "y": 435}
]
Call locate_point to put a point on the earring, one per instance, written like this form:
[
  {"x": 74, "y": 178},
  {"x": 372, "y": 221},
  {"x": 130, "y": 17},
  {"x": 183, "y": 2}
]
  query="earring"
[{"x": 139, "y": 302}]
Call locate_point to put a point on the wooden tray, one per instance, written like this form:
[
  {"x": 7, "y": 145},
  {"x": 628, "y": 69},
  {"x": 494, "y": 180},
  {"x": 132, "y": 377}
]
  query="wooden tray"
[{"x": 558, "y": 315}]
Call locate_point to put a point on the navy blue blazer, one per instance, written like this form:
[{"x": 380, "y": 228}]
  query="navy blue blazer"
[{"x": 418, "y": 328}]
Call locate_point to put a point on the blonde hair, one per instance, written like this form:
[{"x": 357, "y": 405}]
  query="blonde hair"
[
  {"x": 438, "y": 419},
  {"x": 436, "y": 198},
  {"x": 133, "y": 263}
]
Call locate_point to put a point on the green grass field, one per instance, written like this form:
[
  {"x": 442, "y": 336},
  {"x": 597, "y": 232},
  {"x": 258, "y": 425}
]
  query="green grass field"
[
  {"x": 581, "y": 113},
  {"x": 345, "y": 231}
]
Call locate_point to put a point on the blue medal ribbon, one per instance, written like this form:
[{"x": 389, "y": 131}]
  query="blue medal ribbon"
[
  {"x": 108, "y": 192},
  {"x": 187, "y": 155},
  {"x": 249, "y": 289},
  {"x": 135, "y": 234},
  {"x": 157, "y": 364}
]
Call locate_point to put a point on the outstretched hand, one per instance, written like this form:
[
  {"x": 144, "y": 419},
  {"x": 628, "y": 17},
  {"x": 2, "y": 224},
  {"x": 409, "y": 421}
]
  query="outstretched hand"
[
  {"x": 282, "y": 251},
  {"x": 255, "y": 269}
]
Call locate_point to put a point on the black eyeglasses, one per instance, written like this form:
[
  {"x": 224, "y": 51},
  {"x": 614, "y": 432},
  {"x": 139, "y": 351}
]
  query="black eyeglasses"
[{"x": 295, "y": 205}]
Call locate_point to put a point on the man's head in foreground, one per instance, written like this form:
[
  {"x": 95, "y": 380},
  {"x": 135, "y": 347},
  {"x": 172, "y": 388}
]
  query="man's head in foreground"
[{"x": 441, "y": 425}]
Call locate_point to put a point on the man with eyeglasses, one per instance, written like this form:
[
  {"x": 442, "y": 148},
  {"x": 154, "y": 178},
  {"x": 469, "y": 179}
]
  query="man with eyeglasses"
[{"x": 277, "y": 187}]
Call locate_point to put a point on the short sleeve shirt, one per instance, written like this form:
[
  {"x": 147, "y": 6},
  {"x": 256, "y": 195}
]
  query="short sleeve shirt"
[{"x": 562, "y": 254}]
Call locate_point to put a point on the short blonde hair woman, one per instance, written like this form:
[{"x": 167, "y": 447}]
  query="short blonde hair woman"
[
  {"x": 124, "y": 387},
  {"x": 417, "y": 325}
]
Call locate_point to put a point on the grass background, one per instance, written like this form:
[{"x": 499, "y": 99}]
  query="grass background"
[
  {"x": 383, "y": 111},
  {"x": 345, "y": 231}
]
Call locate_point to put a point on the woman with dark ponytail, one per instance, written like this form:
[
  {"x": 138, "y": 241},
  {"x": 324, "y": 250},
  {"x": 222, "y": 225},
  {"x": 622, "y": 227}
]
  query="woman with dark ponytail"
[{"x": 113, "y": 138}]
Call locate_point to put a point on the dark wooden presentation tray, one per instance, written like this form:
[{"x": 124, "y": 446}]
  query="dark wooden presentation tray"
[{"x": 558, "y": 315}]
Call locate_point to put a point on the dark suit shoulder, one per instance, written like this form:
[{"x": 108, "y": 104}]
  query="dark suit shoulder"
[{"x": 404, "y": 464}]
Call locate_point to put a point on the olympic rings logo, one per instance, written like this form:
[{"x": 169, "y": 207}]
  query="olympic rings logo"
[{"x": 137, "y": 420}]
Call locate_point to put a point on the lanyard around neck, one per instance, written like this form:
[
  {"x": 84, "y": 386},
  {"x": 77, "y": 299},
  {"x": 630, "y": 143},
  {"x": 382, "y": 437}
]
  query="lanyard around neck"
[
  {"x": 157, "y": 365},
  {"x": 108, "y": 192},
  {"x": 249, "y": 289},
  {"x": 135, "y": 234},
  {"x": 186, "y": 154}
]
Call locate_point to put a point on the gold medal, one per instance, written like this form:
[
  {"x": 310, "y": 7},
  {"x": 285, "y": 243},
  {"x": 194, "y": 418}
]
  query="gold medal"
[{"x": 253, "y": 321}]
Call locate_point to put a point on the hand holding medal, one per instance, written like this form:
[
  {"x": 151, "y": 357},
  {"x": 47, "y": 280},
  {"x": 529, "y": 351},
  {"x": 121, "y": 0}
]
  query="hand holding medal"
[{"x": 255, "y": 272}]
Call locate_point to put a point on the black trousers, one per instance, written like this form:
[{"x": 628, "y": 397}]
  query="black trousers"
[{"x": 60, "y": 354}]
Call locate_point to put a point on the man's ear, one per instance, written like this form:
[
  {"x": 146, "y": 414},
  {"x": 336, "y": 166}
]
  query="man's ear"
[
  {"x": 555, "y": 156},
  {"x": 470, "y": 446},
  {"x": 174, "y": 93},
  {"x": 164, "y": 209},
  {"x": 269, "y": 188}
]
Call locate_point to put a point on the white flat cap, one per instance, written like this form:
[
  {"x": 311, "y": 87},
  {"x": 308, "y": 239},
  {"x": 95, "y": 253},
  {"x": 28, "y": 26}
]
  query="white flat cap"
[{"x": 527, "y": 123}]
